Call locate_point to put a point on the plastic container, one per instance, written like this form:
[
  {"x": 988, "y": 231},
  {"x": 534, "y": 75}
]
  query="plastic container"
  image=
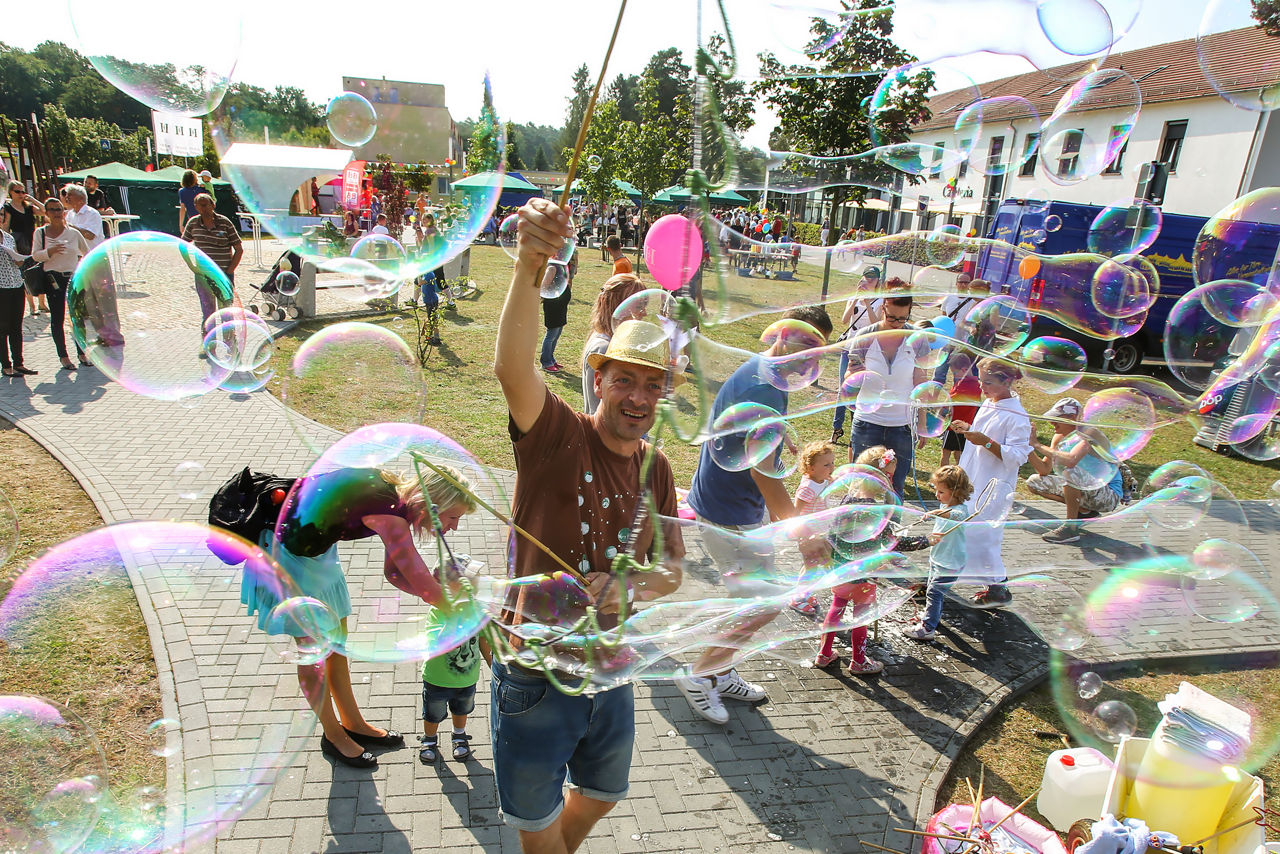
[
  {"x": 1178, "y": 791},
  {"x": 1075, "y": 783},
  {"x": 1246, "y": 794}
]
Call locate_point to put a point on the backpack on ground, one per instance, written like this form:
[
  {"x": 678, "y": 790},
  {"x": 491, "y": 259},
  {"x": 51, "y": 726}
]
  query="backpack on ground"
[{"x": 246, "y": 505}]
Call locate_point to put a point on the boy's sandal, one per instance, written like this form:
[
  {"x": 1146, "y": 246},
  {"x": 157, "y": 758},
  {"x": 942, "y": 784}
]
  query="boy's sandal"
[
  {"x": 461, "y": 749},
  {"x": 430, "y": 751}
]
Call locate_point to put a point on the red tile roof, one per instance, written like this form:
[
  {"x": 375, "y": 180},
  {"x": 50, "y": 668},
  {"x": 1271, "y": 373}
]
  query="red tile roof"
[{"x": 1241, "y": 59}]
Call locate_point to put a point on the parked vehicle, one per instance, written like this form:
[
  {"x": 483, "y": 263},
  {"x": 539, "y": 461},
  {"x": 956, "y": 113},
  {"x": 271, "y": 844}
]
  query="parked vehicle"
[{"x": 1062, "y": 228}]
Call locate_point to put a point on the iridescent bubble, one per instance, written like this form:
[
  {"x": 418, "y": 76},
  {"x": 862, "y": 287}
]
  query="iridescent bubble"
[
  {"x": 1126, "y": 227},
  {"x": 1233, "y": 243},
  {"x": 1125, "y": 416},
  {"x": 185, "y": 77},
  {"x": 51, "y": 803},
  {"x": 353, "y": 356},
  {"x": 384, "y": 252},
  {"x": 1095, "y": 469},
  {"x": 271, "y": 166},
  {"x": 1053, "y": 365},
  {"x": 351, "y": 119},
  {"x": 997, "y": 325},
  {"x": 996, "y": 110},
  {"x": 745, "y": 434},
  {"x": 288, "y": 284},
  {"x": 1089, "y": 685},
  {"x": 189, "y": 481},
  {"x": 1052, "y": 223},
  {"x": 153, "y": 342},
  {"x": 508, "y": 239},
  {"x": 1231, "y": 598},
  {"x": 798, "y": 363},
  {"x": 302, "y": 630},
  {"x": 1114, "y": 720},
  {"x": 388, "y": 463},
  {"x": 8, "y": 529},
  {"x": 554, "y": 281},
  {"x": 1238, "y": 303},
  {"x": 165, "y": 736},
  {"x": 894, "y": 93},
  {"x": 811, "y": 27},
  {"x": 1069, "y": 155},
  {"x": 239, "y": 346},
  {"x": 1216, "y": 557},
  {"x": 186, "y": 567},
  {"x": 1198, "y": 345},
  {"x": 784, "y": 461},
  {"x": 1248, "y": 85},
  {"x": 1119, "y": 291},
  {"x": 945, "y": 246},
  {"x": 1076, "y": 27},
  {"x": 933, "y": 400},
  {"x": 594, "y": 162}
]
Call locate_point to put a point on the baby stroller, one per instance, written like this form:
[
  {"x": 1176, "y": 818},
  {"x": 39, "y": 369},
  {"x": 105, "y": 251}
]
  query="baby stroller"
[{"x": 270, "y": 304}]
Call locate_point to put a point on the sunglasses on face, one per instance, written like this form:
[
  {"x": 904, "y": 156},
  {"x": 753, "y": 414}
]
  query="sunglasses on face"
[
  {"x": 48, "y": 209},
  {"x": 897, "y": 318}
]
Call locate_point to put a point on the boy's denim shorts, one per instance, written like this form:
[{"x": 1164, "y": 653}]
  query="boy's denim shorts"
[
  {"x": 438, "y": 703},
  {"x": 540, "y": 736}
]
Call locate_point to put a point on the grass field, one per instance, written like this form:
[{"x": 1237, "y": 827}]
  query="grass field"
[
  {"x": 98, "y": 661},
  {"x": 463, "y": 399}
]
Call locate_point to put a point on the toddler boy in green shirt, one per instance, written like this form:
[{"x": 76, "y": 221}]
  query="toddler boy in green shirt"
[{"x": 449, "y": 688}]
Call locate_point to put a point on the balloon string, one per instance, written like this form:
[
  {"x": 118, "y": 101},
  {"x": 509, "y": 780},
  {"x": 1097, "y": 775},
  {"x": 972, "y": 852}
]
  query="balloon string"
[{"x": 501, "y": 517}]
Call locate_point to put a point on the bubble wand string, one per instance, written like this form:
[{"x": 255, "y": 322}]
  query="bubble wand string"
[{"x": 418, "y": 458}]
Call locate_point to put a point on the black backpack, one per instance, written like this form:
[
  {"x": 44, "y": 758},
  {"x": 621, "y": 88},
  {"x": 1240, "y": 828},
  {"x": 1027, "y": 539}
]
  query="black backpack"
[{"x": 246, "y": 505}]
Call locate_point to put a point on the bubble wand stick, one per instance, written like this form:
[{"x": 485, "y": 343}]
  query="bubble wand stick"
[{"x": 581, "y": 142}]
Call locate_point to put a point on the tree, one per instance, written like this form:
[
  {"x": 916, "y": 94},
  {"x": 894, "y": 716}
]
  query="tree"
[
  {"x": 824, "y": 115},
  {"x": 577, "y": 109},
  {"x": 655, "y": 149},
  {"x": 1267, "y": 14},
  {"x": 623, "y": 91},
  {"x": 514, "y": 160},
  {"x": 487, "y": 145},
  {"x": 540, "y": 162},
  {"x": 672, "y": 75},
  {"x": 605, "y": 138}
]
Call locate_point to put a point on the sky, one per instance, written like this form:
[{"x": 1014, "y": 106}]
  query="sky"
[{"x": 530, "y": 50}]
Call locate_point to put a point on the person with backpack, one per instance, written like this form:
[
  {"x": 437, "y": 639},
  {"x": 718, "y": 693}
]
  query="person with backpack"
[{"x": 301, "y": 531}]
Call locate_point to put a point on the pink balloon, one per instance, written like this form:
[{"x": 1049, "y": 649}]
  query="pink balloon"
[{"x": 673, "y": 251}]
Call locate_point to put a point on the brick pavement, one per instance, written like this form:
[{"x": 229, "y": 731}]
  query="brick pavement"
[{"x": 826, "y": 760}]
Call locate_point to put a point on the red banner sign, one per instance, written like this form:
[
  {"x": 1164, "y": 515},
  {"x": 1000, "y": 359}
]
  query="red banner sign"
[{"x": 352, "y": 175}]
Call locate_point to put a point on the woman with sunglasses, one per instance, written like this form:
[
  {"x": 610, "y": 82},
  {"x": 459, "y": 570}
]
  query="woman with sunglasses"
[
  {"x": 59, "y": 247},
  {"x": 18, "y": 217}
]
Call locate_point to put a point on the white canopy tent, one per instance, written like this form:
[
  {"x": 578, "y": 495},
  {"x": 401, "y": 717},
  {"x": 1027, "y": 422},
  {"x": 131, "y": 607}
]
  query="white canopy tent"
[{"x": 267, "y": 176}]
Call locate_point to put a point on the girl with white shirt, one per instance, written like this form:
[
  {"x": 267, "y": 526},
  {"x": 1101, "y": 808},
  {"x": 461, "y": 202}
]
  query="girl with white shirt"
[
  {"x": 998, "y": 442},
  {"x": 11, "y": 307},
  {"x": 859, "y": 313},
  {"x": 59, "y": 247}
]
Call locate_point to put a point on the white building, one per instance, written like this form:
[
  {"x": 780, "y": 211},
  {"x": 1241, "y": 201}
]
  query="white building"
[
  {"x": 414, "y": 124},
  {"x": 1215, "y": 150}
]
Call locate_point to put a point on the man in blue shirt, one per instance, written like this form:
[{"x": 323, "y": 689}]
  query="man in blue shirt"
[{"x": 729, "y": 501}]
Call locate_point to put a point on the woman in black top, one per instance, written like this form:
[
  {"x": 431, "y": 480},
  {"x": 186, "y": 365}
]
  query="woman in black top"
[
  {"x": 18, "y": 217},
  {"x": 321, "y": 511}
]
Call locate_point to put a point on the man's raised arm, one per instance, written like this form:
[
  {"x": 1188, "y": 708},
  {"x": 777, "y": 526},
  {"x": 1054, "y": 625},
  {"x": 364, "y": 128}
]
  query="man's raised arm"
[{"x": 543, "y": 228}]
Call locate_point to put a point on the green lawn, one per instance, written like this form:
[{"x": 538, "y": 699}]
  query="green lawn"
[{"x": 463, "y": 399}]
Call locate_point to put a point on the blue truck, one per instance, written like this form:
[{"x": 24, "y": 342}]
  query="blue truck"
[{"x": 1022, "y": 223}]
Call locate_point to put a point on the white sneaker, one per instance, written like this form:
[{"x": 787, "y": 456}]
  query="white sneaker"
[
  {"x": 705, "y": 699},
  {"x": 919, "y": 632},
  {"x": 731, "y": 686}
]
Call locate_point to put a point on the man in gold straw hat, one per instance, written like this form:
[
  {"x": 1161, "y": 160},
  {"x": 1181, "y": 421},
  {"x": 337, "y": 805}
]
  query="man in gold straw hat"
[{"x": 578, "y": 488}]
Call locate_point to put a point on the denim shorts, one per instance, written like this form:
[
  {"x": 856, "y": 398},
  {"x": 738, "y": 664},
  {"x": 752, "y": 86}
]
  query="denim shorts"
[
  {"x": 438, "y": 703},
  {"x": 541, "y": 736}
]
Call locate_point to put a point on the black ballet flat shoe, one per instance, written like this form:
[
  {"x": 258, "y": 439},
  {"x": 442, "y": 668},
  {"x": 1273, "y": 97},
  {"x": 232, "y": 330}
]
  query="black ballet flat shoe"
[
  {"x": 364, "y": 760},
  {"x": 26, "y": 371},
  {"x": 391, "y": 739}
]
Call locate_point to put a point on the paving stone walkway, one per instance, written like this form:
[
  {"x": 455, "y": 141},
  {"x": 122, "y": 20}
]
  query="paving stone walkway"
[{"x": 826, "y": 760}]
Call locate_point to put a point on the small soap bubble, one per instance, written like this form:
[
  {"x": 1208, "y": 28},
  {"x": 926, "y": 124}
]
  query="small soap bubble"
[
  {"x": 594, "y": 162},
  {"x": 288, "y": 284},
  {"x": 1089, "y": 685},
  {"x": 188, "y": 481},
  {"x": 351, "y": 119},
  {"x": 163, "y": 735},
  {"x": 1114, "y": 720},
  {"x": 1052, "y": 223}
]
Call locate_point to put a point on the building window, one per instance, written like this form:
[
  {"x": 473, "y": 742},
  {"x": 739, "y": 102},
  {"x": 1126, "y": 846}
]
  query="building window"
[
  {"x": 395, "y": 95},
  {"x": 1069, "y": 158},
  {"x": 377, "y": 95},
  {"x": 994, "y": 153},
  {"x": 1117, "y": 163},
  {"x": 1030, "y": 154},
  {"x": 966, "y": 145},
  {"x": 1171, "y": 146}
]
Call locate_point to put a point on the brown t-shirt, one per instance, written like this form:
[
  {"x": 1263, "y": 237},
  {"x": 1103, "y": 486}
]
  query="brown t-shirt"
[{"x": 578, "y": 497}]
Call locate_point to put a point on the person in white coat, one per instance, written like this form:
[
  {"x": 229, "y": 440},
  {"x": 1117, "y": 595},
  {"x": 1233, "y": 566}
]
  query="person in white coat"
[{"x": 998, "y": 442}]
